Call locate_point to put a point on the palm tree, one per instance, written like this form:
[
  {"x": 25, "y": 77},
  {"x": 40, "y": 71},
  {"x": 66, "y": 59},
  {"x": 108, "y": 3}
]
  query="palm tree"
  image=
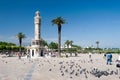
[
  {"x": 59, "y": 21},
  {"x": 67, "y": 43},
  {"x": 20, "y": 36},
  {"x": 97, "y": 42},
  {"x": 71, "y": 42}
]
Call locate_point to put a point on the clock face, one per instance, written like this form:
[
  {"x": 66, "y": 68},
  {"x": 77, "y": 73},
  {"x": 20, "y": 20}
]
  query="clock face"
[{"x": 36, "y": 20}]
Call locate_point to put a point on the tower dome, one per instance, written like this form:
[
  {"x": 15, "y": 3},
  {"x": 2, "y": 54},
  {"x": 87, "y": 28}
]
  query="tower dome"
[{"x": 37, "y": 13}]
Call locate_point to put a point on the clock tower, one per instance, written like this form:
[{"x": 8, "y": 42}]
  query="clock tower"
[{"x": 36, "y": 48}]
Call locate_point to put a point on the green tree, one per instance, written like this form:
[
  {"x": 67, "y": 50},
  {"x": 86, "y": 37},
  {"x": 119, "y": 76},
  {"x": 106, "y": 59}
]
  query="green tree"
[
  {"x": 7, "y": 44},
  {"x": 45, "y": 43},
  {"x": 53, "y": 45},
  {"x": 76, "y": 46},
  {"x": 20, "y": 36},
  {"x": 59, "y": 21}
]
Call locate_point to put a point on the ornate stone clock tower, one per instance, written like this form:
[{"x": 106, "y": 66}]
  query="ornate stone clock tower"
[
  {"x": 36, "y": 48},
  {"x": 37, "y": 22}
]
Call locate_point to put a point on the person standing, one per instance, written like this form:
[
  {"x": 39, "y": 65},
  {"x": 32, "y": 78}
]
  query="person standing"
[
  {"x": 109, "y": 58},
  {"x": 90, "y": 57},
  {"x": 90, "y": 54},
  {"x": 118, "y": 62},
  {"x": 19, "y": 55}
]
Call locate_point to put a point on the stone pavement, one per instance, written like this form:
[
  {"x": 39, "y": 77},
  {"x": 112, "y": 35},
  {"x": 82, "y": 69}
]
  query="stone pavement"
[
  {"x": 13, "y": 68},
  {"x": 72, "y": 68}
]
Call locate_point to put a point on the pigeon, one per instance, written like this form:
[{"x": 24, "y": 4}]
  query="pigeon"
[
  {"x": 111, "y": 73},
  {"x": 104, "y": 73},
  {"x": 86, "y": 76},
  {"x": 87, "y": 72},
  {"x": 60, "y": 62},
  {"x": 76, "y": 74},
  {"x": 72, "y": 72},
  {"x": 63, "y": 67},
  {"x": 50, "y": 69},
  {"x": 62, "y": 74},
  {"x": 81, "y": 72},
  {"x": 71, "y": 77},
  {"x": 61, "y": 71},
  {"x": 66, "y": 70}
]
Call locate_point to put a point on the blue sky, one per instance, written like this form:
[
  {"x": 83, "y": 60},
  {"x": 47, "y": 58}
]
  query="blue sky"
[{"x": 88, "y": 21}]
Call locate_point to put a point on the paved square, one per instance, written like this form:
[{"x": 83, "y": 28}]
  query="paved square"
[{"x": 72, "y": 68}]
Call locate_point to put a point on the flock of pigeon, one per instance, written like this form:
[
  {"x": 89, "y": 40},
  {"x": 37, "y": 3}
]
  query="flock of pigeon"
[{"x": 71, "y": 69}]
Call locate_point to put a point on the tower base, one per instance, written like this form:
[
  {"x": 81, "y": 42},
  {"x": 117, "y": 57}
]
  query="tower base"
[{"x": 36, "y": 50}]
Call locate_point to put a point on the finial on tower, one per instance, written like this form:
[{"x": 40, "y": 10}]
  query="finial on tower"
[{"x": 37, "y": 13}]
